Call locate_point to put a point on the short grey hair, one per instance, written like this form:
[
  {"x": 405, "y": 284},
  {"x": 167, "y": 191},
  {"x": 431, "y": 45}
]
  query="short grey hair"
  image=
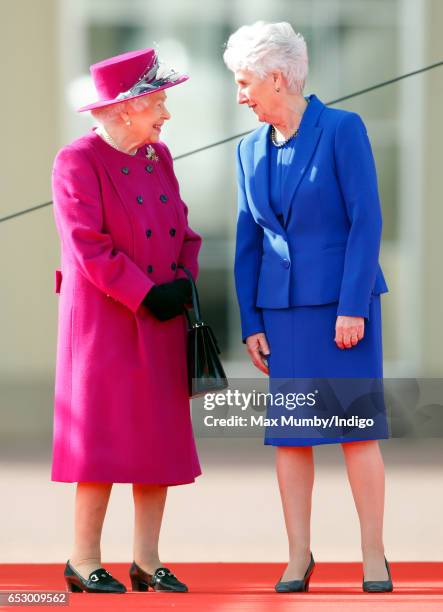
[
  {"x": 108, "y": 114},
  {"x": 263, "y": 47}
]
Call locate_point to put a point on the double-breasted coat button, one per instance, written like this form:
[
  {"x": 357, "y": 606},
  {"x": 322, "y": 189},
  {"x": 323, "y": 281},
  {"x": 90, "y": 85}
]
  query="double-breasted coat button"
[
  {"x": 149, "y": 168},
  {"x": 173, "y": 265},
  {"x": 149, "y": 268},
  {"x": 163, "y": 198},
  {"x": 148, "y": 233},
  {"x": 125, "y": 170},
  {"x": 286, "y": 263},
  {"x": 172, "y": 231},
  {"x": 140, "y": 199}
]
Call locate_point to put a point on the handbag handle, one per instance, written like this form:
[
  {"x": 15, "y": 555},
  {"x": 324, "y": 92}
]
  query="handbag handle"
[
  {"x": 195, "y": 299},
  {"x": 196, "y": 307}
]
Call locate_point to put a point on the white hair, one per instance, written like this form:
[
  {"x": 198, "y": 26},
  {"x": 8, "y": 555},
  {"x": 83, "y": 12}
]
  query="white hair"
[
  {"x": 264, "y": 47},
  {"x": 109, "y": 114}
]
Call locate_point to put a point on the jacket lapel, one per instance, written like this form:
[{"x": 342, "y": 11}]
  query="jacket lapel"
[
  {"x": 306, "y": 145},
  {"x": 260, "y": 182},
  {"x": 307, "y": 140}
]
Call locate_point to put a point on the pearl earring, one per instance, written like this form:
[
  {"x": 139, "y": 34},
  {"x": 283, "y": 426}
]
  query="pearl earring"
[{"x": 128, "y": 122}]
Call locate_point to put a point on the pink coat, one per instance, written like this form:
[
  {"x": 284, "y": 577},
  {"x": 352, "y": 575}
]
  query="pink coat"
[{"x": 121, "y": 401}]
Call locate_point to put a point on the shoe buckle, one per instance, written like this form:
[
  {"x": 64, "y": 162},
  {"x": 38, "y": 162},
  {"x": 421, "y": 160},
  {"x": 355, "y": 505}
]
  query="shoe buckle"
[
  {"x": 96, "y": 577},
  {"x": 161, "y": 572}
]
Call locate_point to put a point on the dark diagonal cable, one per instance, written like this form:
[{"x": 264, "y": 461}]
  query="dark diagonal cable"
[
  {"x": 23, "y": 212},
  {"x": 352, "y": 95},
  {"x": 225, "y": 140}
]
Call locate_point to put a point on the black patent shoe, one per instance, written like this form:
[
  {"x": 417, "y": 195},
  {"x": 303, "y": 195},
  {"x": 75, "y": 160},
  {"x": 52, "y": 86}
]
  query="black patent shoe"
[
  {"x": 297, "y": 586},
  {"x": 99, "y": 581},
  {"x": 161, "y": 580},
  {"x": 379, "y": 586}
]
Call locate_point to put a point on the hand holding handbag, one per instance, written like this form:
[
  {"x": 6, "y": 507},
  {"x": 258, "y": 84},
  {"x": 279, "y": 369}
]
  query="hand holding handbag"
[
  {"x": 167, "y": 300},
  {"x": 205, "y": 370}
]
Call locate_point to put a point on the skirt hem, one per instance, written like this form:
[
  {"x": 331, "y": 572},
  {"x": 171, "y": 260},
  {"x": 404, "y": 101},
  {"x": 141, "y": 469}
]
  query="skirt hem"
[
  {"x": 136, "y": 481},
  {"x": 318, "y": 442}
]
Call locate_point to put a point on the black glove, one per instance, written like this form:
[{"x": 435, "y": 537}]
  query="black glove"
[
  {"x": 168, "y": 300},
  {"x": 185, "y": 287}
]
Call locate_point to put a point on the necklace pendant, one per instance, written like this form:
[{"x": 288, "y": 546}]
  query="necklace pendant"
[{"x": 151, "y": 154}]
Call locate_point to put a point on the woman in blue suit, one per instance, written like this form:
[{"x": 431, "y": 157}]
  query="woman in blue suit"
[{"x": 307, "y": 275}]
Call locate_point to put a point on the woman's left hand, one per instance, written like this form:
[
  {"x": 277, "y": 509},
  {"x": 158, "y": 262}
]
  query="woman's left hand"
[{"x": 348, "y": 331}]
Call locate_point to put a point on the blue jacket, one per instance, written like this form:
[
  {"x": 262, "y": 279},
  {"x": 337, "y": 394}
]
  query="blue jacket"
[{"x": 327, "y": 248}]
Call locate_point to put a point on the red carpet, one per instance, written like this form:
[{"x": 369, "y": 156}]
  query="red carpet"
[{"x": 334, "y": 587}]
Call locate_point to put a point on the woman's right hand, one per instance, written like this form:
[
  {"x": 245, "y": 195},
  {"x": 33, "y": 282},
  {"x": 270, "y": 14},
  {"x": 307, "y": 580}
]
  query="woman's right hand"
[
  {"x": 258, "y": 350},
  {"x": 168, "y": 300}
]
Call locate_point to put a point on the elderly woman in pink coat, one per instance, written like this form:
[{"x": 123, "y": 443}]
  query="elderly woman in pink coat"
[{"x": 121, "y": 399}]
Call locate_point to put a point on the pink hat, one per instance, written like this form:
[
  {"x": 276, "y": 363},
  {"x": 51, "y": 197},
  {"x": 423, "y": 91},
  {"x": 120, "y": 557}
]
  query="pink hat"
[{"x": 130, "y": 75}]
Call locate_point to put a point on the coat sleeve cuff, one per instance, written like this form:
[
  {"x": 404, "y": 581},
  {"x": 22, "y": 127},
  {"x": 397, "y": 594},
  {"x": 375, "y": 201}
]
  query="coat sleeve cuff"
[
  {"x": 257, "y": 331},
  {"x": 250, "y": 330},
  {"x": 343, "y": 311},
  {"x": 134, "y": 301}
]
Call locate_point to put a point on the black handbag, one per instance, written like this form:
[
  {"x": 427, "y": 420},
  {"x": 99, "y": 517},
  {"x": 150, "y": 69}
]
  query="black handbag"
[{"x": 205, "y": 370}]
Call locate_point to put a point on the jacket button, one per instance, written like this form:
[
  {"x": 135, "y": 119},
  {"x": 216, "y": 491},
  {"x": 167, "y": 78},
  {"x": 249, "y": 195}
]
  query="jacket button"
[
  {"x": 125, "y": 170},
  {"x": 173, "y": 265},
  {"x": 163, "y": 198},
  {"x": 140, "y": 199},
  {"x": 149, "y": 168},
  {"x": 286, "y": 263},
  {"x": 172, "y": 231},
  {"x": 148, "y": 233},
  {"x": 149, "y": 269}
]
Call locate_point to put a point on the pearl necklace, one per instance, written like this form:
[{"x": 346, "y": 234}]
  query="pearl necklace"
[
  {"x": 281, "y": 143},
  {"x": 107, "y": 138}
]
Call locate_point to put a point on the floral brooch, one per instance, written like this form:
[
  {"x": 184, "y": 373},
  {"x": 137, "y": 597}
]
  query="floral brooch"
[{"x": 151, "y": 154}]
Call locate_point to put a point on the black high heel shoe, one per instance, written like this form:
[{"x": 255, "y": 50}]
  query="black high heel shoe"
[
  {"x": 379, "y": 586},
  {"x": 161, "y": 580},
  {"x": 297, "y": 586},
  {"x": 99, "y": 581}
]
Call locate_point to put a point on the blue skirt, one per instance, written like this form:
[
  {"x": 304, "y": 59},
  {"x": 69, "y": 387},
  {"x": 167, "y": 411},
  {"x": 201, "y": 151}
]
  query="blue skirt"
[{"x": 304, "y": 358}]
